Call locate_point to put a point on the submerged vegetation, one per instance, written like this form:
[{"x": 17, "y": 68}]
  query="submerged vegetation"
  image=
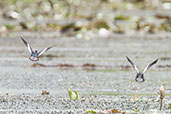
[{"x": 81, "y": 18}]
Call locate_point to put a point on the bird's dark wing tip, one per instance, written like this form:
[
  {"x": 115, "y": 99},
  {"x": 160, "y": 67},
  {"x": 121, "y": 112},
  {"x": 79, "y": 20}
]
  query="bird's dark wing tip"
[
  {"x": 156, "y": 61},
  {"x": 126, "y": 56},
  {"x": 21, "y": 38}
]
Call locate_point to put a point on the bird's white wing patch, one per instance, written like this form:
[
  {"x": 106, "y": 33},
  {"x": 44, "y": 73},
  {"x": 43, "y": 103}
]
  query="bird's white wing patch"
[{"x": 44, "y": 50}]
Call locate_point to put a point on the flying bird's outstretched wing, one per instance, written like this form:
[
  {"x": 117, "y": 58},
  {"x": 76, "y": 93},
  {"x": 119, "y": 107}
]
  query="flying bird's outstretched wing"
[
  {"x": 151, "y": 64},
  {"x": 44, "y": 50},
  {"x": 28, "y": 45},
  {"x": 134, "y": 66}
]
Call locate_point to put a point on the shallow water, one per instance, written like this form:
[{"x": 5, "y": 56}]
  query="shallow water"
[{"x": 19, "y": 78}]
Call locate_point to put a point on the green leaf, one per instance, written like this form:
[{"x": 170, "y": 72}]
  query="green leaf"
[
  {"x": 137, "y": 110},
  {"x": 77, "y": 96},
  {"x": 122, "y": 17},
  {"x": 10, "y": 27},
  {"x": 170, "y": 106},
  {"x": 91, "y": 111},
  {"x": 73, "y": 95}
]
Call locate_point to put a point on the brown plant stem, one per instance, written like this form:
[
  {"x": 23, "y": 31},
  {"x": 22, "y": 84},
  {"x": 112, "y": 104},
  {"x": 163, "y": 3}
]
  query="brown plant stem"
[{"x": 161, "y": 104}]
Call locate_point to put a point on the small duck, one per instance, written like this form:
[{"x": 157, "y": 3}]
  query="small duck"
[
  {"x": 140, "y": 75},
  {"x": 35, "y": 54}
]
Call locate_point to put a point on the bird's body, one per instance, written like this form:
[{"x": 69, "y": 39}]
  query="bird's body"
[
  {"x": 34, "y": 54},
  {"x": 140, "y": 75}
]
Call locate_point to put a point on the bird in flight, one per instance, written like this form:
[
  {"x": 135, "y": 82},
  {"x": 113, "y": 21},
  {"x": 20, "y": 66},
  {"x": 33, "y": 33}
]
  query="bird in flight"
[
  {"x": 35, "y": 54},
  {"x": 140, "y": 75}
]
